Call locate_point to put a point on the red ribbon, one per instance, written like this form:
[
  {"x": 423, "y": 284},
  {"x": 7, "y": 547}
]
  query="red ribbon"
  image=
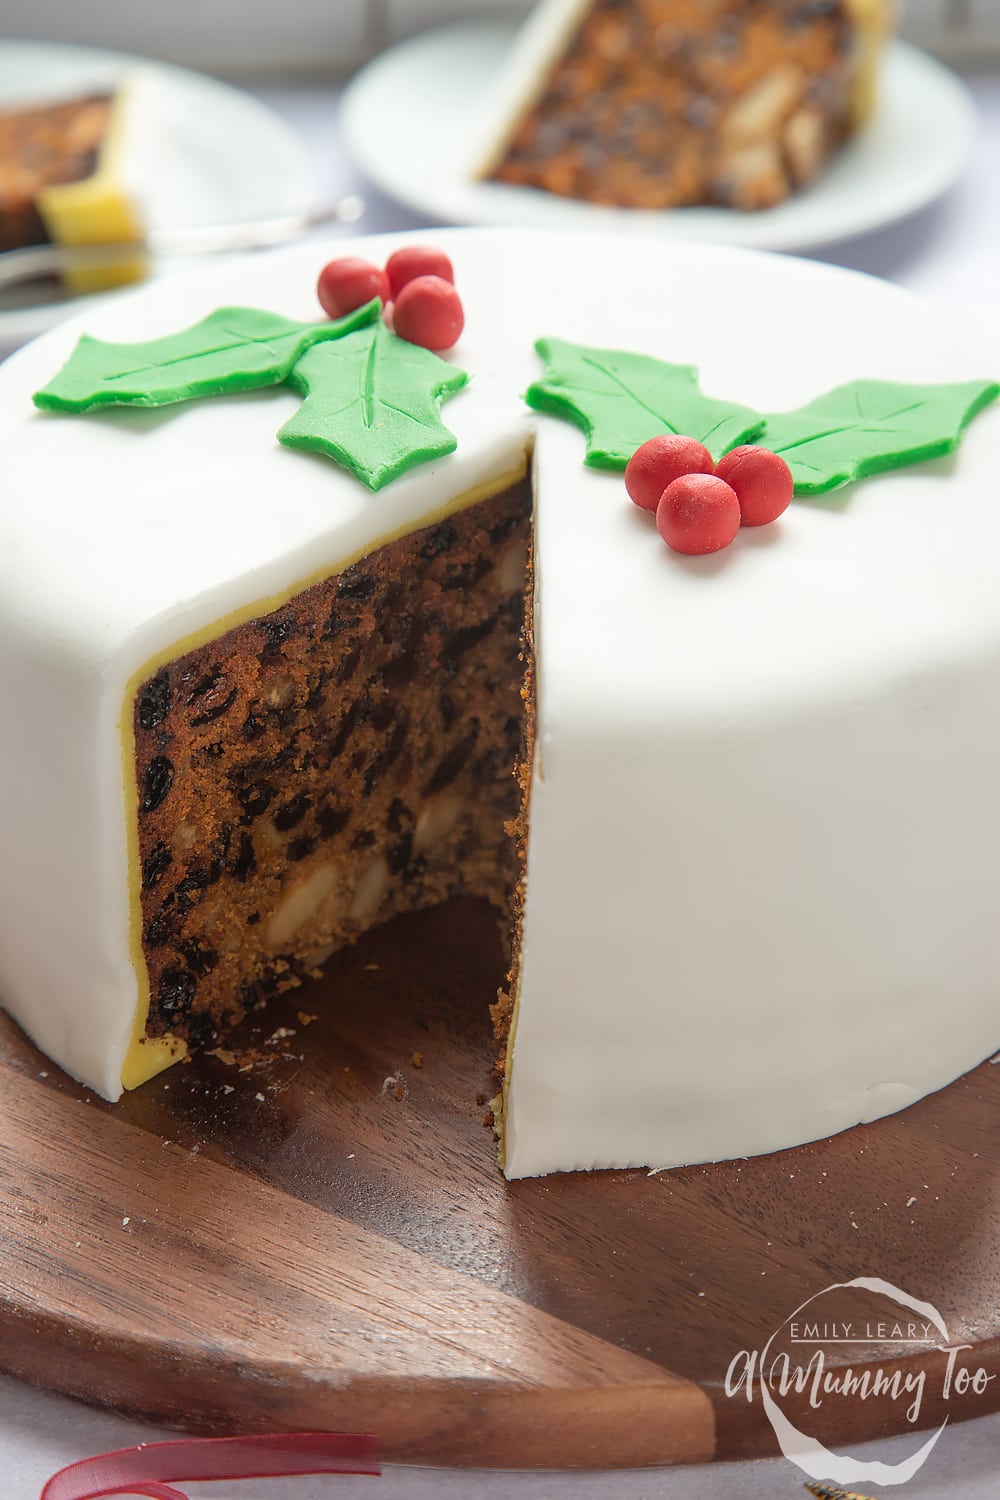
[{"x": 151, "y": 1468}]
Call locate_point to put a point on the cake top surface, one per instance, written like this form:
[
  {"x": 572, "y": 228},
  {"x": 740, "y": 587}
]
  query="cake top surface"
[{"x": 124, "y": 532}]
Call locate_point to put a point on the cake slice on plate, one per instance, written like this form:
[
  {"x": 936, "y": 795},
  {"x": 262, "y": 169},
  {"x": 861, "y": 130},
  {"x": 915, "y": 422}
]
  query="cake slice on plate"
[
  {"x": 64, "y": 170},
  {"x": 663, "y": 103}
]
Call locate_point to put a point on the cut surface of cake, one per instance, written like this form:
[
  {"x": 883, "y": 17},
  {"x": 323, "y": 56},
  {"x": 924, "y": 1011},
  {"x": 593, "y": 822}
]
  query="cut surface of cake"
[
  {"x": 655, "y": 104},
  {"x": 259, "y": 708},
  {"x": 344, "y": 758}
]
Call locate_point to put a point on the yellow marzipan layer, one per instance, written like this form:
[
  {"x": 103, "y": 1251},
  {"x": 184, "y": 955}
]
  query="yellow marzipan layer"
[{"x": 872, "y": 20}]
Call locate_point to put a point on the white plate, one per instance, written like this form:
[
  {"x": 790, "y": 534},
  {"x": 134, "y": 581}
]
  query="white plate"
[
  {"x": 411, "y": 115},
  {"x": 214, "y": 156}
]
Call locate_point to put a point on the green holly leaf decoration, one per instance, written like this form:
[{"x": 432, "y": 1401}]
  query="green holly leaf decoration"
[
  {"x": 372, "y": 403},
  {"x": 233, "y": 349},
  {"x": 621, "y": 399},
  {"x": 868, "y": 426}
]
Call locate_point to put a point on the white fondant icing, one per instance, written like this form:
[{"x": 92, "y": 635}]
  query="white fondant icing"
[{"x": 764, "y": 862}]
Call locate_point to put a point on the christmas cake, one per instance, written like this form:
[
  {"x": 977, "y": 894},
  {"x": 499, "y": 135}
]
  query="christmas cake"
[
  {"x": 735, "y": 810},
  {"x": 663, "y": 103}
]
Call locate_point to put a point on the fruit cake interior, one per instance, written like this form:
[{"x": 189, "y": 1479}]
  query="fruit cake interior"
[
  {"x": 663, "y": 103},
  {"x": 339, "y": 760}
]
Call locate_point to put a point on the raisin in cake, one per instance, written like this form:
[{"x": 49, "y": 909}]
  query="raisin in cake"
[
  {"x": 662, "y": 103},
  {"x": 252, "y": 708}
]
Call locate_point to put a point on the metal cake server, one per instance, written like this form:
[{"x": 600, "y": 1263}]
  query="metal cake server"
[{"x": 32, "y": 262}]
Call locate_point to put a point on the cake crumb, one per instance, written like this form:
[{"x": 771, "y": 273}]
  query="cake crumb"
[
  {"x": 371, "y": 968},
  {"x": 279, "y": 1035},
  {"x": 417, "y": 1059},
  {"x": 910, "y": 1202},
  {"x": 304, "y": 1018},
  {"x": 224, "y": 1055},
  {"x": 259, "y": 1098}
]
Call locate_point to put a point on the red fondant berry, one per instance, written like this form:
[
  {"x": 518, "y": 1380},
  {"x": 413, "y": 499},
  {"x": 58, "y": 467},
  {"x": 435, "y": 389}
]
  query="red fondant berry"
[
  {"x": 349, "y": 283},
  {"x": 428, "y": 311},
  {"x": 762, "y": 480},
  {"x": 659, "y": 462},
  {"x": 416, "y": 260},
  {"x": 698, "y": 513}
]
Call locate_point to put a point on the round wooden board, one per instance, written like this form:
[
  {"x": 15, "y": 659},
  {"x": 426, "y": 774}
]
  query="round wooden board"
[{"x": 320, "y": 1238}]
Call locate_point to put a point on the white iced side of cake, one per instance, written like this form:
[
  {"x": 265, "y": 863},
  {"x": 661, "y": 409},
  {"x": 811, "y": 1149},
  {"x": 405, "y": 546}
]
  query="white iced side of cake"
[{"x": 764, "y": 860}]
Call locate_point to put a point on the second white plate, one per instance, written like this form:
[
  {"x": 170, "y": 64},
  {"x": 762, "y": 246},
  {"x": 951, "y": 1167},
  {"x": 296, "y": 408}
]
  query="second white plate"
[{"x": 409, "y": 118}]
